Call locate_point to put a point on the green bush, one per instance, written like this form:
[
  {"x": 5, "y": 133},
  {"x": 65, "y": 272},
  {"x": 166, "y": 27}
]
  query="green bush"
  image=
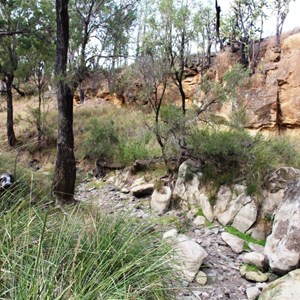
[
  {"x": 234, "y": 156},
  {"x": 235, "y": 77},
  {"x": 116, "y": 143},
  {"x": 102, "y": 139}
]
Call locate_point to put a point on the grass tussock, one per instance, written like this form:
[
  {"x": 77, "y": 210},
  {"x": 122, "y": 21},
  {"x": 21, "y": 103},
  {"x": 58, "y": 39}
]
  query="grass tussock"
[{"x": 48, "y": 254}]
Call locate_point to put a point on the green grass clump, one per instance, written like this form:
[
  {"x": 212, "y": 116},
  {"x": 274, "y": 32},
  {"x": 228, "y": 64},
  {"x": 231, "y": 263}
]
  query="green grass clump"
[
  {"x": 47, "y": 254},
  {"x": 246, "y": 237}
]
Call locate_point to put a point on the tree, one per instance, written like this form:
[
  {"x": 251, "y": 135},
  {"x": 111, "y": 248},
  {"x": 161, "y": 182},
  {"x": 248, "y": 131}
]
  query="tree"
[
  {"x": 63, "y": 184},
  {"x": 204, "y": 28},
  {"x": 104, "y": 23},
  {"x": 38, "y": 58},
  {"x": 281, "y": 8},
  {"x": 9, "y": 59},
  {"x": 243, "y": 27}
]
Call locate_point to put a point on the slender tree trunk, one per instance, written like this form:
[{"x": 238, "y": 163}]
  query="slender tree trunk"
[
  {"x": 81, "y": 93},
  {"x": 63, "y": 184},
  {"x": 39, "y": 120},
  {"x": 10, "y": 114}
]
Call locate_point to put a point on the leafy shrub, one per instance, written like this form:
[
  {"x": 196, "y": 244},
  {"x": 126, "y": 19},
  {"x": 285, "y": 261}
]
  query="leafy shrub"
[
  {"x": 115, "y": 142},
  {"x": 235, "y": 77},
  {"x": 102, "y": 139},
  {"x": 235, "y": 156}
]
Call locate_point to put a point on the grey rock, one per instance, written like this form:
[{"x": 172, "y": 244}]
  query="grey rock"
[
  {"x": 284, "y": 288},
  {"x": 142, "y": 190},
  {"x": 160, "y": 200},
  {"x": 253, "y": 293},
  {"x": 256, "y": 259},
  {"x": 282, "y": 246}
]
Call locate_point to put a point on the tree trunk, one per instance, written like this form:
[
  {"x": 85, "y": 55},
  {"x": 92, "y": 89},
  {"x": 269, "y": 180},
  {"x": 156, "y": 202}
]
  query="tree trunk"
[
  {"x": 81, "y": 93},
  {"x": 10, "y": 115},
  {"x": 63, "y": 184}
]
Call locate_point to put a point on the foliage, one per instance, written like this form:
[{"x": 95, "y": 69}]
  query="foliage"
[
  {"x": 115, "y": 142},
  {"x": 79, "y": 254},
  {"x": 246, "y": 237},
  {"x": 235, "y": 156},
  {"x": 234, "y": 77}
]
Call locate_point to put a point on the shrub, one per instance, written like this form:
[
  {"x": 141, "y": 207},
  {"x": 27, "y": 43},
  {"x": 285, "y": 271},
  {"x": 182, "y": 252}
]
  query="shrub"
[
  {"x": 235, "y": 156},
  {"x": 102, "y": 139},
  {"x": 115, "y": 142}
]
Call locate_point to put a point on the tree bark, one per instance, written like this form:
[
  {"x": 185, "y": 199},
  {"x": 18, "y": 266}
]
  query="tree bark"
[
  {"x": 63, "y": 184},
  {"x": 10, "y": 115}
]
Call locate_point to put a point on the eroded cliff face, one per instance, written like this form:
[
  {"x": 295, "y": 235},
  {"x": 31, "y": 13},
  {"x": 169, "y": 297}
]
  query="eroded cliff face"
[{"x": 271, "y": 98}]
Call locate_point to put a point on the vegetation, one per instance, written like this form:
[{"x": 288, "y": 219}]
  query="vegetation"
[
  {"x": 232, "y": 156},
  {"x": 246, "y": 237},
  {"x": 78, "y": 253}
]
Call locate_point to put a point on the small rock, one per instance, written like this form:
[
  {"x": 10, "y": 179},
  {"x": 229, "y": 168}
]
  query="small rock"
[
  {"x": 256, "y": 248},
  {"x": 125, "y": 190},
  {"x": 255, "y": 275},
  {"x": 199, "y": 221},
  {"x": 142, "y": 190},
  {"x": 255, "y": 258},
  {"x": 234, "y": 242},
  {"x": 192, "y": 213},
  {"x": 171, "y": 234},
  {"x": 253, "y": 293},
  {"x": 201, "y": 278}
]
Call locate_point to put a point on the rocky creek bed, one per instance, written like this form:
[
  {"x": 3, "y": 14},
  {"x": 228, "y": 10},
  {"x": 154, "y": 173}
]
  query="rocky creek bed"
[{"x": 219, "y": 276}]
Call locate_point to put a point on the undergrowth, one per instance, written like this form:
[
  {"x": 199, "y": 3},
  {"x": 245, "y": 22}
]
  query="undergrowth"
[{"x": 78, "y": 253}]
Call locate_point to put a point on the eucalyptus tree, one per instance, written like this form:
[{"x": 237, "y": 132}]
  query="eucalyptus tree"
[
  {"x": 281, "y": 9},
  {"x": 16, "y": 19},
  {"x": 99, "y": 30},
  {"x": 63, "y": 184},
  {"x": 205, "y": 29},
  {"x": 169, "y": 27},
  {"x": 37, "y": 57},
  {"x": 244, "y": 26}
]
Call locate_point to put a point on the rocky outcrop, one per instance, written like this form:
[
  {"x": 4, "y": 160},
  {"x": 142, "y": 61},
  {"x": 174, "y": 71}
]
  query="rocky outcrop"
[
  {"x": 188, "y": 189},
  {"x": 284, "y": 288},
  {"x": 282, "y": 247},
  {"x": 234, "y": 207}
]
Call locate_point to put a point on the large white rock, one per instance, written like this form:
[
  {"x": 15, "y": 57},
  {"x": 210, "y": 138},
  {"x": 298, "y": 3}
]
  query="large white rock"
[
  {"x": 187, "y": 183},
  {"x": 284, "y": 288},
  {"x": 188, "y": 256},
  {"x": 203, "y": 201},
  {"x": 234, "y": 242},
  {"x": 160, "y": 200},
  {"x": 283, "y": 245},
  {"x": 246, "y": 217},
  {"x": 232, "y": 209}
]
